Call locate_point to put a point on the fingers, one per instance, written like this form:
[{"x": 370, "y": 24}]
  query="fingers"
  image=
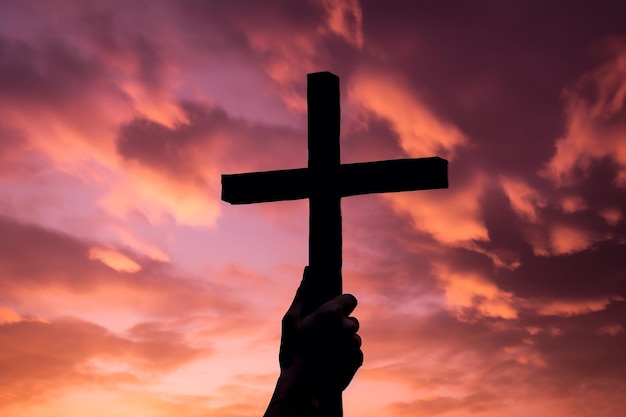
[
  {"x": 334, "y": 315},
  {"x": 351, "y": 324},
  {"x": 349, "y": 361},
  {"x": 343, "y": 304},
  {"x": 347, "y": 303}
]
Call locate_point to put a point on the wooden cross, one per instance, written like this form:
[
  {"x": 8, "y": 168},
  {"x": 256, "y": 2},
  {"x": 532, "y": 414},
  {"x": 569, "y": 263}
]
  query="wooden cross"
[{"x": 325, "y": 182}]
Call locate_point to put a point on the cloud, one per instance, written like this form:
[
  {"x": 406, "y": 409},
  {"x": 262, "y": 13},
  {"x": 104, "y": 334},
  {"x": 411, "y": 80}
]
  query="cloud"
[
  {"x": 470, "y": 294},
  {"x": 611, "y": 329},
  {"x": 114, "y": 259},
  {"x": 573, "y": 204},
  {"x": 474, "y": 403},
  {"x": 344, "y": 18},
  {"x": 452, "y": 217},
  {"x": 611, "y": 215},
  {"x": 524, "y": 199},
  {"x": 421, "y": 133},
  {"x": 575, "y": 307},
  {"x": 63, "y": 277},
  {"x": 596, "y": 126},
  {"x": 284, "y": 39},
  {"x": 179, "y": 167},
  {"x": 567, "y": 240},
  {"x": 117, "y": 120},
  {"x": 60, "y": 354},
  {"x": 141, "y": 246},
  {"x": 8, "y": 316},
  {"x": 94, "y": 89},
  {"x": 77, "y": 101}
]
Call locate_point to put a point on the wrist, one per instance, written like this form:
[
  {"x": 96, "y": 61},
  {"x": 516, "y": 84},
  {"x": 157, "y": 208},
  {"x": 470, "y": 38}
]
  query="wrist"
[{"x": 292, "y": 398}]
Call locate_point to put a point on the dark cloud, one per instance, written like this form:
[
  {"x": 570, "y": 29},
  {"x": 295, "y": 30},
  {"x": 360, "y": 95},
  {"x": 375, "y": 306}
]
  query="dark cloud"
[
  {"x": 210, "y": 137},
  {"x": 32, "y": 258},
  {"x": 497, "y": 70},
  {"x": 54, "y": 73},
  {"x": 527, "y": 358}
]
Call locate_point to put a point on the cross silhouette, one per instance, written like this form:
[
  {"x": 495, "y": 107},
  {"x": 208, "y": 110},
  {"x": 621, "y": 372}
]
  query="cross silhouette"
[{"x": 325, "y": 182}]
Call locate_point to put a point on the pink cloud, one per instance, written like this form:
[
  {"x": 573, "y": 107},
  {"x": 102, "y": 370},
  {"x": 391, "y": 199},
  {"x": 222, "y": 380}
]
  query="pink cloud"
[
  {"x": 573, "y": 204},
  {"x": 595, "y": 126},
  {"x": 611, "y": 329},
  {"x": 611, "y": 215},
  {"x": 524, "y": 199},
  {"x": 566, "y": 240},
  {"x": 345, "y": 18}
]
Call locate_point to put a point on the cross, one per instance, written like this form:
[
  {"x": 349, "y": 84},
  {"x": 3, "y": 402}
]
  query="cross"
[{"x": 325, "y": 182}]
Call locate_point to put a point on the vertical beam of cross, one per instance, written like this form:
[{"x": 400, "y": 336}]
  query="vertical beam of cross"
[
  {"x": 325, "y": 197},
  {"x": 323, "y": 120}
]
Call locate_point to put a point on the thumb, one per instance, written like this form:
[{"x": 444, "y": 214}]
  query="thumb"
[
  {"x": 295, "y": 310},
  {"x": 291, "y": 321}
]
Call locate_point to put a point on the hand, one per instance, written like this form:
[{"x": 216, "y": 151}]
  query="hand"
[{"x": 319, "y": 353}]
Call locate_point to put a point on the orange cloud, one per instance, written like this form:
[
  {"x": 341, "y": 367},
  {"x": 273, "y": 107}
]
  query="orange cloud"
[
  {"x": 575, "y": 308},
  {"x": 596, "y": 127},
  {"x": 611, "y": 215},
  {"x": 562, "y": 239},
  {"x": 344, "y": 18},
  {"x": 142, "y": 246},
  {"x": 421, "y": 133},
  {"x": 470, "y": 292},
  {"x": 9, "y": 316},
  {"x": 286, "y": 62},
  {"x": 525, "y": 355},
  {"x": 76, "y": 132},
  {"x": 160, "y": 106},
  {"x": 114, "y": 259},
  {"x": 573, "y": 204},
  {"x": 161, "y": 198},
  {"x": 452, "y": 217},
  {"x": 524, "y": 199},
  {"x": 565, "y": 240}
]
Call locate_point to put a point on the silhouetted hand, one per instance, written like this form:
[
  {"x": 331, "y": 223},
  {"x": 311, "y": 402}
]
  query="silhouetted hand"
[{"x": 319, "y": 353}]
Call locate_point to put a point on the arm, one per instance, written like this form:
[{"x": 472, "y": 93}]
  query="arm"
[{"x": 318, "y": 352}]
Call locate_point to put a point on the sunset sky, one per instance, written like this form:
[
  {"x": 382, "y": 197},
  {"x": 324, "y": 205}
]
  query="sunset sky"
[{"x": 127, "y": 288}]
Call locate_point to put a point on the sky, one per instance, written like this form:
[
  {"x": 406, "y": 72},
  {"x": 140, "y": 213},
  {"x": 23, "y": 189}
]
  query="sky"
[{"x": 128, "y": 288}]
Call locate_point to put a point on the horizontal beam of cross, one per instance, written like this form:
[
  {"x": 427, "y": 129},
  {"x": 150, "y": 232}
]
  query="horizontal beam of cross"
[{"x": 353, "y": 179}]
